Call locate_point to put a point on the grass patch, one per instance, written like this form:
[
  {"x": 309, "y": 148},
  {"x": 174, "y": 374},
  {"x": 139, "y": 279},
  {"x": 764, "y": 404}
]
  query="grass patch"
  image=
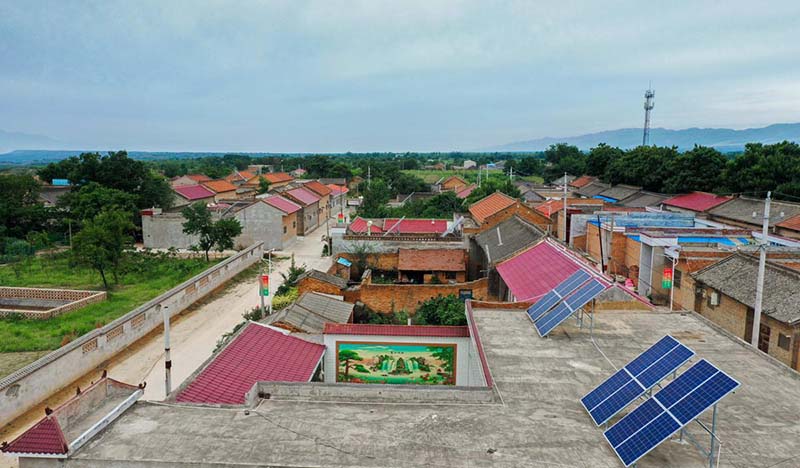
[
  {"x": 533, "y": 178},
  {"x": 431, "y": 177},
  {"x": 147, "y": 275}
]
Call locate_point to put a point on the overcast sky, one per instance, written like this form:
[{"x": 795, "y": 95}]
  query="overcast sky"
[{"x": 398, "y": 75}]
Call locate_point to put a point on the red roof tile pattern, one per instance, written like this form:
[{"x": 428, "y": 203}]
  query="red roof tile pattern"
[
  {"x": 466, "y": 191},
  {"x": 194, "y": 192},
  {"x": 45, "y": 437},
  {"x": 395, "y": 330},
  {"x": 257, "y": 354},
  {"x": 219, "y": 186},
  {"x": 318, "y": 188},
  {"x": 414, "y": 226},
  {"x": 283, "y": 204},
  {"x": 792, "y": 223},
  {"x": 277, "y": 177},
  {"x": 490, "y": 205},
  {"x": 534, "y": 272},
  {"x": 304, "y": 196},
  {"x": 359, "y": 226},
  {"x": 582, "y": 180},
  {"x": 240, "y": 176},
  {"x": 431, "y": 260},
  {"x": 338, "y": 189},
  {"x": 696, "y": 201}
]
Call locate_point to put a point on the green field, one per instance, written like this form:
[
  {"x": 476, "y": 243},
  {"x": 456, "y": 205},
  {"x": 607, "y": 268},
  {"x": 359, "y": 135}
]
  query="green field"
[
  {"x": 148, "y": 276},
  {"x": 430, "y": 177}
]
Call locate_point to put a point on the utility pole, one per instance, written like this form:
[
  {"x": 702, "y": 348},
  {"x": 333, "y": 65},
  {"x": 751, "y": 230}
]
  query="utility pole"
[
  {"x": 649, "y": 103},
  {"x": 566, "y": 236},
  {"x": 762, "y": 264},
  {"x": 369, "y": 176},
  {"x": 167, "y": 359},
  {"x": 511, "y": 174},
  {"x": 479, "y": 175}
]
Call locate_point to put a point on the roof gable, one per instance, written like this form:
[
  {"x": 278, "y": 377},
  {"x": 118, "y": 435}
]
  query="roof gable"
[
  {"x": 45, "y": 437},
  {"x": 317, "y": 188},
  {"x": 283, "y": 204},
  {"x": 219, "y": 186},
  {"x": 303, "y": 196},
  {"x": 751, "y": 210},
  {"x": 490, "y": 205},
  {"x": 508, "y": 237},
  {"x": 582, "y": 180}
]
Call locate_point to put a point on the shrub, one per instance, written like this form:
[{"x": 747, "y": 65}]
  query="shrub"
[
  {"x": 284, "y": 300},
  {"x": 441, "y": 310}
]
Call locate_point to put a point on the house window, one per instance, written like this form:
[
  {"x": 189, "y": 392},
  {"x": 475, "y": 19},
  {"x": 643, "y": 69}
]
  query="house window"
[
  {"x": 676, "y": 279},
  {"x": 284, "y": 229},
  {"x": 451, "y": 275},
  {"x": 294, "y": 224},
  {"x": 713, "y": 299},
  {"x": 783, "y": 341}
]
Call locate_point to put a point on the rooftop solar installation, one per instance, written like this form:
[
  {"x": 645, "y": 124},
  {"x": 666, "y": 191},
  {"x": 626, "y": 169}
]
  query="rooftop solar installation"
[
  {"x": 553, "y": 297},
  {"x": 637, "y": 377},
  {"x": 578, "y": 299},
  {"x": 679, "y": 403}
]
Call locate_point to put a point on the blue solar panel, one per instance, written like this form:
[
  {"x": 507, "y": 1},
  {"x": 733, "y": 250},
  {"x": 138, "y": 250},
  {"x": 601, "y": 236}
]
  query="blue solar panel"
[
  {"x": 647, "y": 369},
  {"x": 578, "y": 299},
  {"x": 553, "y": 297},
  {"x": 605, "y": 389},
  {"x": 680, "y": 402}
]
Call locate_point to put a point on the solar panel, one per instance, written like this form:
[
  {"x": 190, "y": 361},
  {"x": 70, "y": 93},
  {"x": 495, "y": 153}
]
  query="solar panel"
[
  {"x": 647, "y": 369},
  {"x": 680, "y": 402},
  {"x": 552, "y": 298},
  {"x": 578, "y": 299}
]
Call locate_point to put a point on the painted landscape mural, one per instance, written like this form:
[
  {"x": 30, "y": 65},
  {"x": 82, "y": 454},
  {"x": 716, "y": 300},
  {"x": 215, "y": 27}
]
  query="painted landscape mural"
[{"x": 396, "y": 363}]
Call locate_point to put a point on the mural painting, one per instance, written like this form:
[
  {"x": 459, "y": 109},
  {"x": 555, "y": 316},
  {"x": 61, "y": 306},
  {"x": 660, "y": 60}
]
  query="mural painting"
[{"x": 396, "y": 363}]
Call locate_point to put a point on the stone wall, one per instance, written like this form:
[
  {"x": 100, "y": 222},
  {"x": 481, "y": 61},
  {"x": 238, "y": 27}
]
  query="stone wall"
[
  {"x": 71, "y": 299},
  {"x": 28, "y": 386}
]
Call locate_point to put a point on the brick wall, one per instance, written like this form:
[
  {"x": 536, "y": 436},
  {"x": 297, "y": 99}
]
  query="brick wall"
[
  {"x": 309, "y": 284},
  {"x": 75, "y": 299},
  {"x": 523, "y": 211},
  {"x": 389, "y": 298}
]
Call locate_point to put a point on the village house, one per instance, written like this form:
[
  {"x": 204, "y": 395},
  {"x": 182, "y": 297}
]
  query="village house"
[
  {"x": 239, "y": 178},
  {"x": 496, "y": 208},
  {"x": 310, "y": 312},
  {"x": 309, "y": 218},
  {"x": 275, "y": 180},
  {"x": 725, "y": 294},
  {"x": 789, "y": 228},
  {"x": 188, "y": 179},
  {"x": 324, "y": 193},
  {"x": 749, "y": 212},
  {"x": 291, "y": 211},
  {"x": 185, "y": 195},
  {"x": 223, "y": 190},
  {"x": 450, "y": 184},
  {"x": 694, "y": 202}
]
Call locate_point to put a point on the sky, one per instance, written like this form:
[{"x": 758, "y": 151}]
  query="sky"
[{"x": 330, "y": 75}]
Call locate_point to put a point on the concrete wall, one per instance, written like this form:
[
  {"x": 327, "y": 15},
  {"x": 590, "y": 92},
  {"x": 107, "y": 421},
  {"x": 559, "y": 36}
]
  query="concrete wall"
[
  {"x": 389, "y": 298},
  {"x": 165, "y": 230},
  {"x": 464, "y": 359},
  {"x": 28, "y": 386},
  {"x": 391, "y": 244},
  {"x": 289, "y": 230}
]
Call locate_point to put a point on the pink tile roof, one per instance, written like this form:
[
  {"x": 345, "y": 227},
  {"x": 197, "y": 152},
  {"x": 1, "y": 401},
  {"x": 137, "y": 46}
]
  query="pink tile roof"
[
  {"x": 466, "y": 191},
  {"x": 283, "y": 204},
  {"x": 696, "y": 201},
  {"x": 415, "y": 226},
  {"x": 258, "y": 353},
  {"x": 44, "y": 437},
  {"x": 194, "y": 192},
  {"x": 534, "y": 272},
  {"x": 304, "y": 196},
  {"x": 395, "y": 330},
  {"x": 359, "y": 226},
  {"x": 338, "y": 189}
]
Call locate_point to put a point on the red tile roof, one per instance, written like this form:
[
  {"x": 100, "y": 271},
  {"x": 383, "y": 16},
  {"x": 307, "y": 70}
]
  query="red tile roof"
[
  {"x": 318, "y": 188},
  {"x": 283, "y": 204},
  {"x": 490, "y": 205},
  {"x": 414, "y": 226},
  {"x": 276, "y": 177},
  {"x": 534, "y": 272},
  {"x": 359, "y": 226},
  {"x": 395, "y": 330},
  {"x": 792, "y": 223},
  {"x": 551, "y": 207},
  {"x": 194, "y": 192},
  {"x": 466, "y": 191},
  {"x": 582, "y": 180},
  {"x": 304, "y": 196},
  {"x": 258, "y": 353},
  {"x": 219, "y": 186},
  {"x": 44, "y": 437},
  {"x": 431, "y": 260},
  {"x": 696, "y": 201},
  {"x": 240, "y": 176},
  {"x": 338, "y": 189}
]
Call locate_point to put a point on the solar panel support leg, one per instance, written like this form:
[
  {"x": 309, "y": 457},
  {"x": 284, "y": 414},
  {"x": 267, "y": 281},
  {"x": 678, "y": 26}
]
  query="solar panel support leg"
[{"x": 713, "y": 437}]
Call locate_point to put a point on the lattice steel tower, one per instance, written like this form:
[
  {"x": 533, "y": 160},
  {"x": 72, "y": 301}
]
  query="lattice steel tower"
[{"x": 649, "y": 103}]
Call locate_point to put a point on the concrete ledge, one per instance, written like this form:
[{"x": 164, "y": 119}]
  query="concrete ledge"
[{"x": 357, "y": 393}]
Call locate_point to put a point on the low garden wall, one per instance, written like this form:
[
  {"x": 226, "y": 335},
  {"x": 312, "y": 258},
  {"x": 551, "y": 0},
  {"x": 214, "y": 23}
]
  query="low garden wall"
[
  {"x": 70, "y": 299},
  {"x": 28, "y": 386}
]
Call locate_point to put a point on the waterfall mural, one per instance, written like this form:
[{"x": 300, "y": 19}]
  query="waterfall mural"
[{"x": 396, "y": 363}]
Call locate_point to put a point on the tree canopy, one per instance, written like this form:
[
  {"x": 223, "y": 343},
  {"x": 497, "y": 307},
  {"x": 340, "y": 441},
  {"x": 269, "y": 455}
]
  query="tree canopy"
[
  {"x": 102, "y": 241},
  {"x": 211, "y": 234}
]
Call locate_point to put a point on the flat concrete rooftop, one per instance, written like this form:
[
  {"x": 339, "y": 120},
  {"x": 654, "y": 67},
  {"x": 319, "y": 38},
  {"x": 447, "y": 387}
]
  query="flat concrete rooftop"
[{"x": 540, "y": 421}]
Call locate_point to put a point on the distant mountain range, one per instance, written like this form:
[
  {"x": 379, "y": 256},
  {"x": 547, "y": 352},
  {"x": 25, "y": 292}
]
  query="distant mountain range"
[
  {"x": 14, "y": 140},
  {"x": 724, "y": 139}
]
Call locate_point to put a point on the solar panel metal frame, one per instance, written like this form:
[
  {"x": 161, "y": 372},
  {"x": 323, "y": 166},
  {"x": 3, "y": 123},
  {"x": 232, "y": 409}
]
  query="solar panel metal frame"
[
  {"x": 666, "y": 411},
  {"x": 554, "y": 296},
  {"x": 568, "y": 306}
]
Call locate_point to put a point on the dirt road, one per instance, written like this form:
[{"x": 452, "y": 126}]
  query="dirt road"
[{"x": 193, "y": 336}]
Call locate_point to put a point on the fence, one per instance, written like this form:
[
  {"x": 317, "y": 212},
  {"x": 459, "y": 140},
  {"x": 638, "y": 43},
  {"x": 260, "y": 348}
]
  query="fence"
[
  {"x": 28, "y": 386},
  {"x": 68, "y": 300}
]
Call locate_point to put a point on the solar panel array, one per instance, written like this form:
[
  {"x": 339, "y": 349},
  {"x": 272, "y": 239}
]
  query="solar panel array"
[
  {"x": 680, "y": 402},
  {"x": 553, "y": 297},
  {"x": 578, "y": 299},
  {"x": 636, "y": 378}
]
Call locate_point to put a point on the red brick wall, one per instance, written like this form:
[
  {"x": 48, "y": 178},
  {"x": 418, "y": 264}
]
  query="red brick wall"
[
  {"x": 311, "y": 284},
  {"x": 389, "y": 298}
]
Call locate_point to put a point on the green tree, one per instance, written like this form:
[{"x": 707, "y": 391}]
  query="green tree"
[
  {"x": 263, "y": 185},
  {"x": 89, "y": 200},
  {"x": 376, "y": 196},
  {"x": 290, "y": 278},
  {"x": 600, "y": 157},
  {"x": 491, "y": 186},
  {"x": 212, "y": 234},
  {"x": 20, "y": 208},
  {"x": 698, "y": 169},
  {"x": 762, "y": 167},
  {"x": 346, "y": 356},
  {"x": 644, "y": 166},
  {"x": 441, "y": 310},
  {"x": 444, "y": 354},
  {"x": 102, "y": 242},
  {"x": 563, "y": 158}
]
